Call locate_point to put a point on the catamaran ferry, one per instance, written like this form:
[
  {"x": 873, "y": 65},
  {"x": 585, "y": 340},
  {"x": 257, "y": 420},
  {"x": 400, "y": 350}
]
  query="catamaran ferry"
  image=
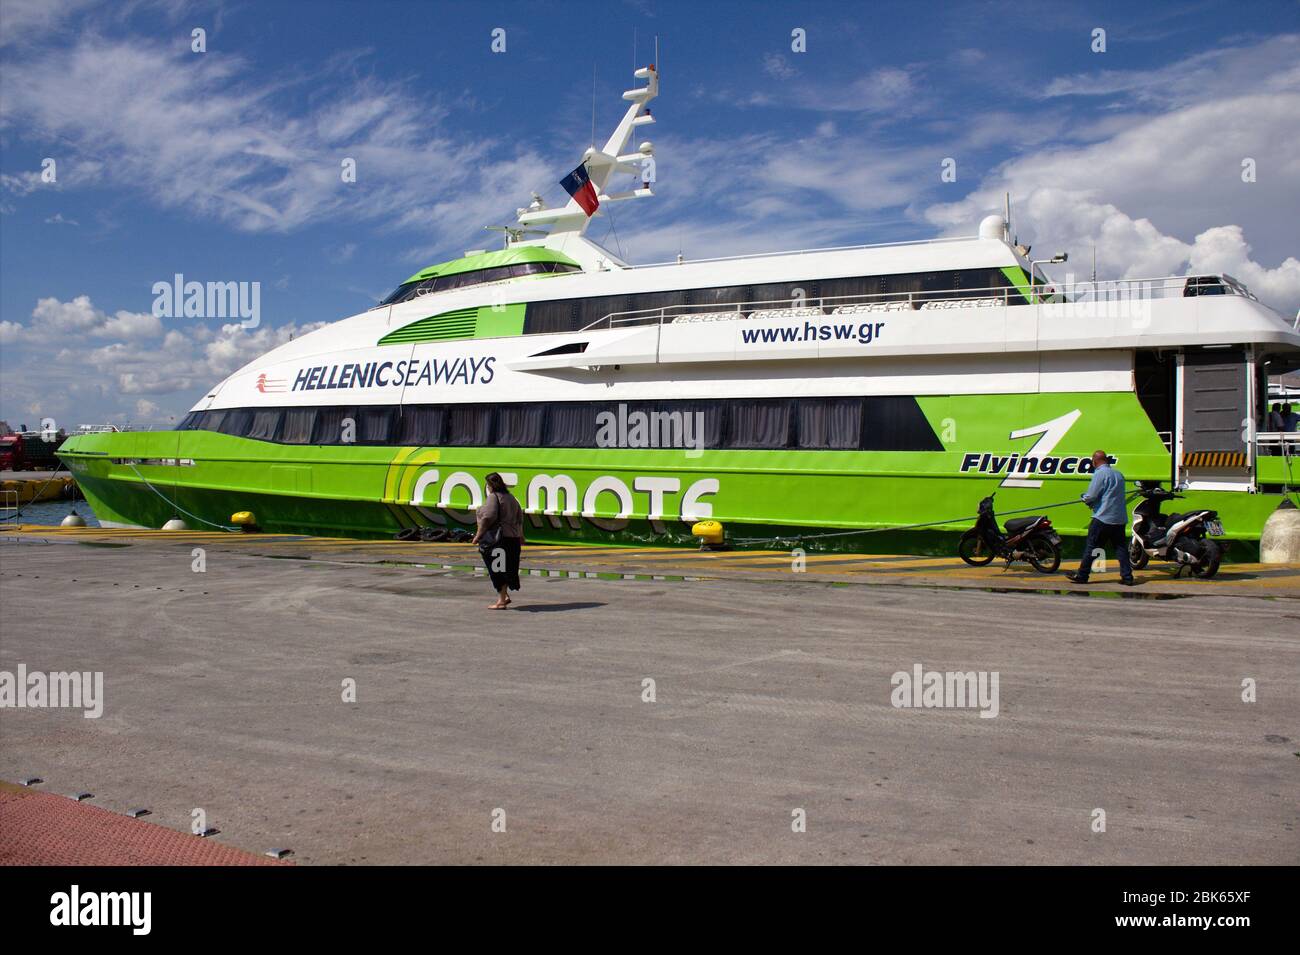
[{"x": 822, "y": 395}]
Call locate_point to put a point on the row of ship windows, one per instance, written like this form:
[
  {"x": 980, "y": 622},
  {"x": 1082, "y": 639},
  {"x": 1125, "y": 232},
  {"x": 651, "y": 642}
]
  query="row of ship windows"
[
  {"x": 879, "y": 423},
  {"x": 567, "y": 315}
]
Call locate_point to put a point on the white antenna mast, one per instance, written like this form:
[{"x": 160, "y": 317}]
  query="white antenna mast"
[{"x": 603, "y": 162}]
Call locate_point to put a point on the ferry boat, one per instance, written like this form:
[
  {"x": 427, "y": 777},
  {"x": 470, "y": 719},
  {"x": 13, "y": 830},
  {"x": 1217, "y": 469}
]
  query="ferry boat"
[{"x": 860, "y": 398}]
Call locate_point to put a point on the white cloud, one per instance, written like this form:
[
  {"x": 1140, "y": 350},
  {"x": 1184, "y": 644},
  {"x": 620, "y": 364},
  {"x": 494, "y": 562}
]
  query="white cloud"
[
  {"x": 1267, "y": 67},
  {"x": 23, "y": 21},
  {"x": 1164, "y": 193},
  {"x": 147, "y": 371},
  {"x": 777, "y": 66},
  {"x": 22, "y": 184},
  {"x": 53, "y": 319},
  {"x": 195, "y": 133}
]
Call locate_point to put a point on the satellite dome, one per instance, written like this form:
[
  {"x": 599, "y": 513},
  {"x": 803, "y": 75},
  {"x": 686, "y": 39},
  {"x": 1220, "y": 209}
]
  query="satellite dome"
[{"x": 993, "y": 227}]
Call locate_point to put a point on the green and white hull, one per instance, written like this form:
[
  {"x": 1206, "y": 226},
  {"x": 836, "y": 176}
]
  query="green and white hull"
[{"x": 762, "y": 497}]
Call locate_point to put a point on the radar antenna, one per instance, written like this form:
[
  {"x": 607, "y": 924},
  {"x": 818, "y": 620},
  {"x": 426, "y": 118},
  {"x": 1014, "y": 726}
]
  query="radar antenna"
[{"x": 602, "y": 165}]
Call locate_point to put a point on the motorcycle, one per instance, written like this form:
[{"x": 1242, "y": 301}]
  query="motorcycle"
[
  {"x": 1027, "y": 538},
  {"x": 1184, "y": 539}
]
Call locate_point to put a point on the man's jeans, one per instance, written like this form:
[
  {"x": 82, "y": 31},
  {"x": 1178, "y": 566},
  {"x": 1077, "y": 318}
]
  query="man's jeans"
[{"x": 1103, "y": 535}]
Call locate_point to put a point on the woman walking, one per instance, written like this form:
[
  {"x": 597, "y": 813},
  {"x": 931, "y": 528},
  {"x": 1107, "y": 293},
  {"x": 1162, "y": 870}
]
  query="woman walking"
[{"x": 500, "y": 535}]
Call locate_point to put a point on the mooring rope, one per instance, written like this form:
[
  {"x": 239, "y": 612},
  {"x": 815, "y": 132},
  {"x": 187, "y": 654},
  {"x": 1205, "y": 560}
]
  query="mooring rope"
[
  {"x": 36, "y": 496},
  {"x": 176, "y": 506},
  {"x": 907, "y": 527}
]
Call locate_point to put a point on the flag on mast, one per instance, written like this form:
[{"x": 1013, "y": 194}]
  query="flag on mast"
[{"x": 578, "y": 185}]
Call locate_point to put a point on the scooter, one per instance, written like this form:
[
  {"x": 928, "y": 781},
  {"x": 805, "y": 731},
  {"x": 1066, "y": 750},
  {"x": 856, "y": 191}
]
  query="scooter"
[
  {"x": 1027, "y": 538},
  {"x": 1183, "y": 539}
]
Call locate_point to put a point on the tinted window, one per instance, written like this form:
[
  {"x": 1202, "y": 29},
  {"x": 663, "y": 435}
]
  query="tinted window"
[
  {"x": 421, "y": 425},
  {"x": 329, "y": 424},
  {"x": 265, "y": 425},
  {"x": 759, "y": 424},
  {"x": 443, "y": 283},
  {"x": 470, "y": 426},
  {"x": 297, "y": 425},
  {"x": 888, "y": 423},
  {"x": 375, "y": 424}
]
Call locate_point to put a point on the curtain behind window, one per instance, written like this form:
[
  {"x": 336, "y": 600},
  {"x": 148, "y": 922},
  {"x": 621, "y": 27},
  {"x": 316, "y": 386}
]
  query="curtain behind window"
[
  {"x": 759, "y": 424},
  {"x": 572, "y": 424},
  {"x": 329, "y": 424},
  {"x": 470, "y": 426},
  {"x": 237, "y": 422},
  {"x": 297, "y": 425},
  {"x": 265, "y": 424},
  {"x": 421, "y": 426},
  {"x": 375, "y": 424},
  {"x": 520, "y": 426},
  {"x": 832, "y": 423}
]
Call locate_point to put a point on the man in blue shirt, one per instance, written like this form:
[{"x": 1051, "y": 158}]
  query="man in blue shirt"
[{"x": 1105, "y": 495}]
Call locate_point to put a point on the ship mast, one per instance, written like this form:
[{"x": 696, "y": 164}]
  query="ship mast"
[{"x": 569, "y": 223}]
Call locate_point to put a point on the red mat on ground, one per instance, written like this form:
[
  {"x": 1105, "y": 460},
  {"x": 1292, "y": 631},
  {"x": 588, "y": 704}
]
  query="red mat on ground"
[{"x": 39, "y": 828}]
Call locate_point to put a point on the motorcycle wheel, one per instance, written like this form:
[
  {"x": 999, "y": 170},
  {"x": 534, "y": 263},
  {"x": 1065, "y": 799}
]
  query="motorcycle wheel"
[
  {"x": 1137, "y": 556},
  {"x": 1043, "y": 554},
  {"x": 1211, "y": 555},
  {"x": 973, "y": 550}
]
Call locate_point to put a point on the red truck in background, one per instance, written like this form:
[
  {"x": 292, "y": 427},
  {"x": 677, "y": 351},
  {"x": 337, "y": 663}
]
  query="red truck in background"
[{"x": 29, "y": 451}]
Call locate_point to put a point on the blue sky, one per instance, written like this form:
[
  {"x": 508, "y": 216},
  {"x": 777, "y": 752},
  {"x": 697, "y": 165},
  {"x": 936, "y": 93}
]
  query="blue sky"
[{"x": 224, "y": 165}]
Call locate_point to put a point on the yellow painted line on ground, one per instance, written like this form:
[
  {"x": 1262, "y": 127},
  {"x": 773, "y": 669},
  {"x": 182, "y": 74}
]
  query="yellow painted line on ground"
[{"x": 1236, "y": 578}]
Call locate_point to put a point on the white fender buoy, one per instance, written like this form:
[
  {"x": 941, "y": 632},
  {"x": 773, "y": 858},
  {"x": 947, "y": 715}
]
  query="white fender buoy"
[
  {"x": 72, "y": 520},
  {"x": 1279, "y": 542},
  {"x": 176, "y": 524}
]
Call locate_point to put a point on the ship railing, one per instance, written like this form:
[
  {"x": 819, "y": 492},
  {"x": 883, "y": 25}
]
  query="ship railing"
[
  {"x": 8, "y": 506},
  {"x": 1113, "y": 295},
  {"x": 832, "y": 248},
  {"x": 1277, "y": 443}
]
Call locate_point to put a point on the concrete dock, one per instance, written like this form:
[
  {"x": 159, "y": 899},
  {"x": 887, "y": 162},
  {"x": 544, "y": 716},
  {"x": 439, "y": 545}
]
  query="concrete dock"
[{"x": 226, "y": 659}]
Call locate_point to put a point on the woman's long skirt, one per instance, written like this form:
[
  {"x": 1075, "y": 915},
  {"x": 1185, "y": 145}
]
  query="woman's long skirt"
[{"x": 502, "y": 562}]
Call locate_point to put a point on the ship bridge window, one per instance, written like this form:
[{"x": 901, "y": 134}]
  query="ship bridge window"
[
  {"x": 445, "y": 283},
  {"x": 1204, "y": 285}
]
